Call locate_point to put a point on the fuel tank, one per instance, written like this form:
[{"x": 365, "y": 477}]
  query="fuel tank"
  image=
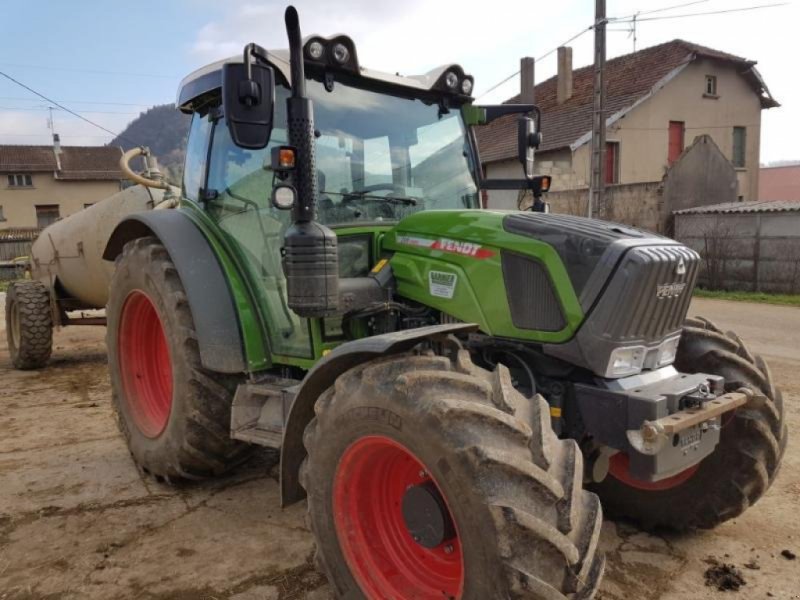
[{"x": 68, "y": 254}]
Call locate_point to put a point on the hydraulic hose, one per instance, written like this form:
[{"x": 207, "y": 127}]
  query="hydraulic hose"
[{"x": 135, "y": 177}]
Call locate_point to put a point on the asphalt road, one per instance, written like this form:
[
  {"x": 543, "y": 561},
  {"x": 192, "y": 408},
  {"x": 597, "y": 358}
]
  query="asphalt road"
[{"x": 78, "y": 521}]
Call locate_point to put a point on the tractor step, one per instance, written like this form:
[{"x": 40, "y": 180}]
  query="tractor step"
[{"x": 260, "y": 409}]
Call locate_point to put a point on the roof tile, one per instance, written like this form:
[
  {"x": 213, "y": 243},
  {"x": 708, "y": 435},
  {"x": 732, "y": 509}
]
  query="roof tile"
[{"x": 77, "y": 162}]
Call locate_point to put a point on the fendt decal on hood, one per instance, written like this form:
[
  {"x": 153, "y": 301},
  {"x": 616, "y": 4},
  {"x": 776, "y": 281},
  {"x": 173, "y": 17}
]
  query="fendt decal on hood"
[{"x": 447, "y": 245}]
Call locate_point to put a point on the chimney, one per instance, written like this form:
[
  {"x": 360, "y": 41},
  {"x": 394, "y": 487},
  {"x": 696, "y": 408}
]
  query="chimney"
[
  {"x": 527, "y": 80},
  {"x": 564, "y": 85},
  {"x": 57, "y": 150}
]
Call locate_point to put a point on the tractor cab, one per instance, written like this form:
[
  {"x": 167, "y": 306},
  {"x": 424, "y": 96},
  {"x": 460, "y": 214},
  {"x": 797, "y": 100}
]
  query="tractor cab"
[{"x": 385, "y": 147}]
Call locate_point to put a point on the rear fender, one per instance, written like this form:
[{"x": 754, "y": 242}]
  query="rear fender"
[
  {"x": 210, "y": 301},
  {"x": 324, "y": 375}
]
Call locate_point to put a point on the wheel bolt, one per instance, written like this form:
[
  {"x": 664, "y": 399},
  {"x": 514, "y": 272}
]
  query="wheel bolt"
[
  {"x": 448, "y": 549},
  {"x": 422, "y": 474}
]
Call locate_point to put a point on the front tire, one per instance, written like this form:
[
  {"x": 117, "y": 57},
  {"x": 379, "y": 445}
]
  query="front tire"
[
  {"x": 741, "y": 468},
  {"x": 29, "y": 324},
  {"x": 174, "y": 415},
  {"x": 521, "y": 524}
]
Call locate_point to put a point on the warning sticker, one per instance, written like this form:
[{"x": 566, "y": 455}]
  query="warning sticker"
[{"x": 442, "y": 285}]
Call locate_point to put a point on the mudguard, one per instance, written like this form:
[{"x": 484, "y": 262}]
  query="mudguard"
[
  {"x": 216, "y": 322},
  {"x": 323, "y": 375}
]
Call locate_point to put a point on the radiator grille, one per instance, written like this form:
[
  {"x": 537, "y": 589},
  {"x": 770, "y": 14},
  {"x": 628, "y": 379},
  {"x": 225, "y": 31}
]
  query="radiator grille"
[
  {"x": 531, "y": 298},
  {"x": 649, "y": 294}
]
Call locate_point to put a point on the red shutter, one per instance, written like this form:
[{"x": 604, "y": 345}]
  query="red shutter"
[{"x": 676, "y": 129}]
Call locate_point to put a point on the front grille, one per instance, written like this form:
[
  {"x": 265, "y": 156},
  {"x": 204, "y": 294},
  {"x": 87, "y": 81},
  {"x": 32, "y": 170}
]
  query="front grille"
[
  {"x": 648, "y": 296},
  {"x": 532, "y": 300}
]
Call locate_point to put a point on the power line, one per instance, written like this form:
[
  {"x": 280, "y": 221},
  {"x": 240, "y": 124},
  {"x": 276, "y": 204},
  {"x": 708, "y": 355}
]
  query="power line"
[
  {"x": 542, "y": 57},
  {"x": 40, "y": 108},
  {"x": 62, "y": 107},
  {"x": 657, "y": 10},
  {"x": 47, "y": 135},
  {"x": 93, "y": 71},
  {"x": 80, "y": 101},
  {"x": 703, "y": 14}
]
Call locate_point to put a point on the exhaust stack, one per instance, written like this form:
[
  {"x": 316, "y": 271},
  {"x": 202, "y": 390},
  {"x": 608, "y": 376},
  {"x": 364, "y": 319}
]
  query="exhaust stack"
[{"x": 311, "y": 260}]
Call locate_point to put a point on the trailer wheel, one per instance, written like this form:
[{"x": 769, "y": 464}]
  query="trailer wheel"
[
  {"x": 433, "y": 479},
  {"x": 174, "y": 415},
  {"x": 741, "y": 468},
  {"x": 29, "y": 324}
]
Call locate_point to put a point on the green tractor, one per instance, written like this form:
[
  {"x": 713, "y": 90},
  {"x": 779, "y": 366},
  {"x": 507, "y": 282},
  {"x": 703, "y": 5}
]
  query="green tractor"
[{"x": 456, "y": 391}]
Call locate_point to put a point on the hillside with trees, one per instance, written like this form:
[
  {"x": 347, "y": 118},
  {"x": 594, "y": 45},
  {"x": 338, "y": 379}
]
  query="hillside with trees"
[{"x": 164, "y": 129}]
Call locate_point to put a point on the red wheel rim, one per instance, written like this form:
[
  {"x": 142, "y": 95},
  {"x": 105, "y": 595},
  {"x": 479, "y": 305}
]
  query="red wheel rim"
[
  {"x": 144, "y": 364},
  {"x": 371, "y": 479},
  {"x": 619, "y": 468}
]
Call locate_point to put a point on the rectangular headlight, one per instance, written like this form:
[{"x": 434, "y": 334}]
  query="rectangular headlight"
[
  {"x": 625, "y": 361},
  {"x": 667, "y": 352}
]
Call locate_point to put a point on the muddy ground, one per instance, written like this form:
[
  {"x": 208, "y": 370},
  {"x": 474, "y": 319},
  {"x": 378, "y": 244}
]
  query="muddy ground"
[{"x": 77, "y": 520}]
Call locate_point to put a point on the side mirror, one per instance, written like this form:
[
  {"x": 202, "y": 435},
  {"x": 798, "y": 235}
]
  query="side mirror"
[
  {"x": 528, "y": 139},
  {"x": 248, "y": 99}
]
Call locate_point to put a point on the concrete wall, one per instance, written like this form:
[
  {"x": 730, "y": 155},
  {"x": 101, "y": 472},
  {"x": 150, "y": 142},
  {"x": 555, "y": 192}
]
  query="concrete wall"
[
  {"x": 749, "y": 251},
  {"x": 638, "y": 204},
  {"x": 701, "y": 177},
  {"x": 71, "y": 196}
]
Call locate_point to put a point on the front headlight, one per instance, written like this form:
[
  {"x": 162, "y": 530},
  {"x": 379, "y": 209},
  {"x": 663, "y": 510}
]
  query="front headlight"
[
  {"x": 667, "y": 352},
  {"x": 625, "y": 361}
]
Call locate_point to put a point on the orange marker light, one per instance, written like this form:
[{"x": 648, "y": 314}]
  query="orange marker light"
[{"x": 286, "y": 158}]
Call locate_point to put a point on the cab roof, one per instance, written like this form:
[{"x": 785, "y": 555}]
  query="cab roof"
[{"x": 209, "y": 78}]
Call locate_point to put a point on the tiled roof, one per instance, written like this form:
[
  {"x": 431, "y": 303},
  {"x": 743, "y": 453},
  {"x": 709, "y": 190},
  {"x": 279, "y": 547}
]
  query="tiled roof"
[
  {"x": 743, "y": 207},
  {"x": 77, "y": 162},
  {"x": 629, "y": 78}
]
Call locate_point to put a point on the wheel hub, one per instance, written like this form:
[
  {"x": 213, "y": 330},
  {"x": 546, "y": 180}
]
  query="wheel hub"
[
  {"x": 426, "y": 516},
  {"x": 383, "y": 496}
]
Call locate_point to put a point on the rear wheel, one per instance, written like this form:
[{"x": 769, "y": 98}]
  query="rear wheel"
[
  {"x": 175, "y": 415},
  {"x": 432, "y": 479},
  {"x": 29, "y": 324},
  {"x": 741, "y": 468}
]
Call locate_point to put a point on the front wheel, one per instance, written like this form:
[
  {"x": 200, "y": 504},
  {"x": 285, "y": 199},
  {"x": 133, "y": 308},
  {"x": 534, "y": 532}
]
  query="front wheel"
[
  {"x": 434, "y": 479},
  {"x": 741, "y": 468},
  {"x": 174, "y": 415}
]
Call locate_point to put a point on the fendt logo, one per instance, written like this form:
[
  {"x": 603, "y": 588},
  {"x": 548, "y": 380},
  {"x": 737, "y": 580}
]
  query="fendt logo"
[
  {"x": 447, "y": 245},
  {"x": 670, "y": 290}
]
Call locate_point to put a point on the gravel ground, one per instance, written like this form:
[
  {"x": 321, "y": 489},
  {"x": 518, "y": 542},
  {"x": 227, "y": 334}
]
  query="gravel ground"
[{"x": 77, "y": 520}]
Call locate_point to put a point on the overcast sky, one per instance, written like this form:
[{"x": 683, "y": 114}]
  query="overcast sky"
[{"x": 109, "y": 61}]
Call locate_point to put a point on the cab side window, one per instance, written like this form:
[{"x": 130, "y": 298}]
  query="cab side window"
[{"x": 194, "y": 169}]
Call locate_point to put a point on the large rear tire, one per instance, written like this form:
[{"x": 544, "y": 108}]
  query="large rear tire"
[
  {"x": 522, "y": 526},
  {"x": 174, "y": 415},
  {"x": 741, "y": 468},
  {"x": 29, "y": 324}
]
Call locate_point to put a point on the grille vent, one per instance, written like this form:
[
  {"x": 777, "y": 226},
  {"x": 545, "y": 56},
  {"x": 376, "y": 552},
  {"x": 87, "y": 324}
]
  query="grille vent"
[{"x": 532, "y": 299}]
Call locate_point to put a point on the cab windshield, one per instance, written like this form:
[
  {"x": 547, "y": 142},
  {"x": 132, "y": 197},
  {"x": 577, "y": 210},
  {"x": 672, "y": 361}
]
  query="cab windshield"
[{"x": 382, "y": 157}]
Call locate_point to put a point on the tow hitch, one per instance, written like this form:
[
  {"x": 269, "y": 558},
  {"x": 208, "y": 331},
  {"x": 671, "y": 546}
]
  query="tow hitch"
[{"x": 651, "y": 438}]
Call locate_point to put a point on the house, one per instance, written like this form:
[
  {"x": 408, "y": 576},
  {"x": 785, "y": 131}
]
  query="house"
[
  {"x": 779, "y": 183},
  {"x": 658, "y": 100},
  {"x": 40, "y": 184}
]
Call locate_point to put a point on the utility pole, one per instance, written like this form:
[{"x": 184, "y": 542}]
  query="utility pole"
[{"x": 597, "y": 200}]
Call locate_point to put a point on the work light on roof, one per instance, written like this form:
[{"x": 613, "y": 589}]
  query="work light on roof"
[
  {"x": 316, "y": 50},
  {"x": 466, "y": 87},
  {"x": 451, "y": 80},
  {"x": 340, "y": 53}
]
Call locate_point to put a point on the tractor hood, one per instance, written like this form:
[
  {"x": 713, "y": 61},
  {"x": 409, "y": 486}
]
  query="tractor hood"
[{"x": 581, "y": 287}]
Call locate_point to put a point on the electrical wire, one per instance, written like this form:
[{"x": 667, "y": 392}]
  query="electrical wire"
[
  {"x": 72, "y": 112},
  {"x": 704, "y": 14},
  {"x": 94, "y": 71},
  {"x": 143, "y": 104},
  {"x": 542, "y": 57},
  {"x": 41, "y": 108}
]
